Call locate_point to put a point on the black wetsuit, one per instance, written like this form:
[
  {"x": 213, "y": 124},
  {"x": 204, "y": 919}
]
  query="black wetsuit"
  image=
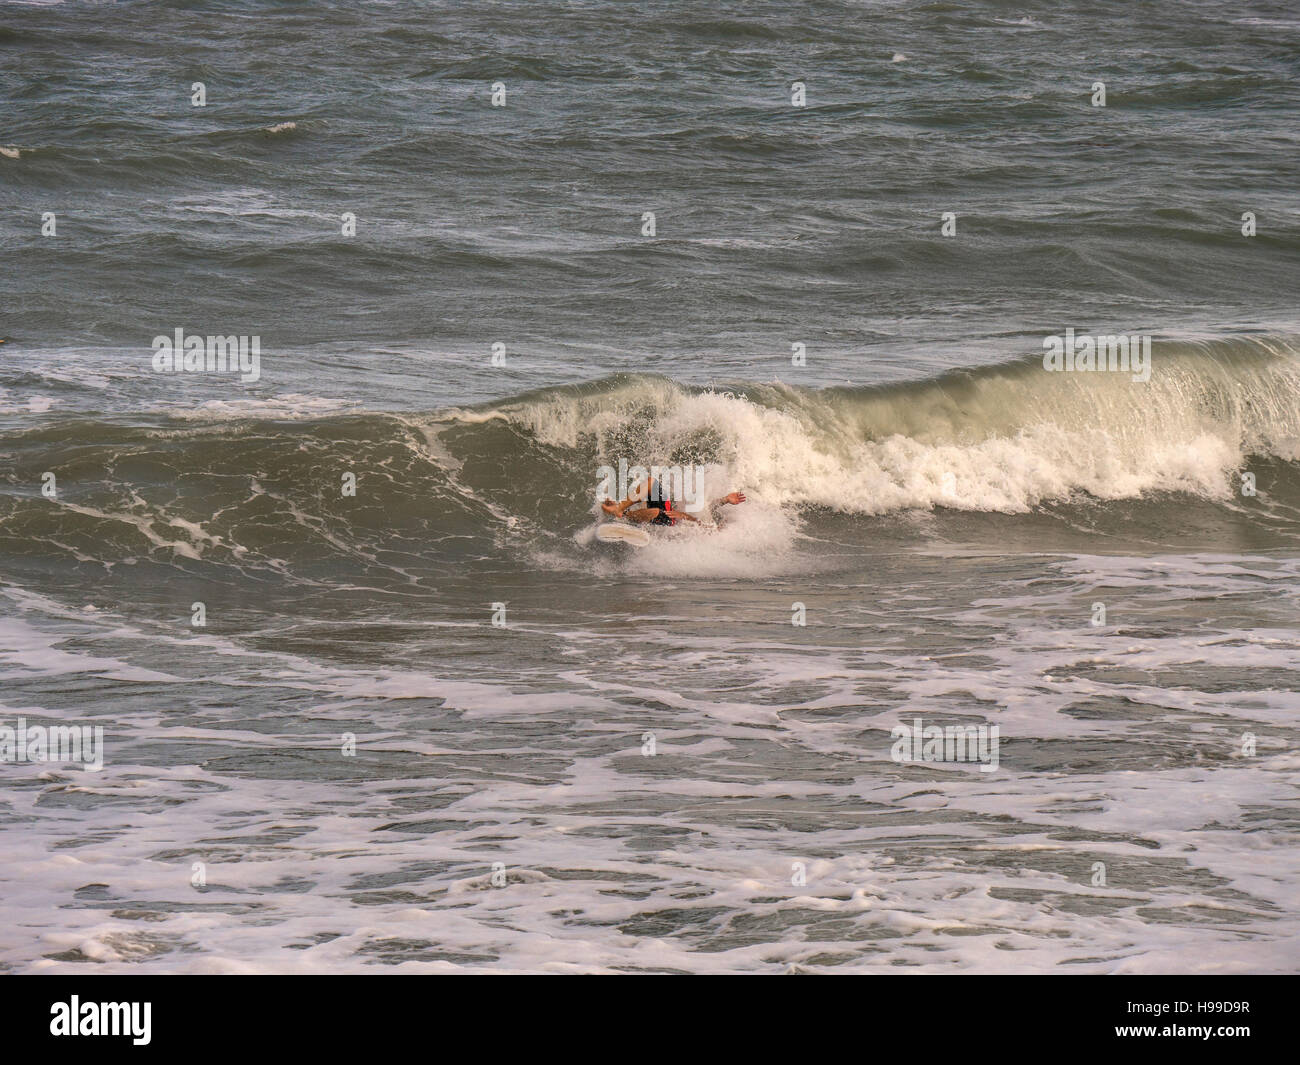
[{"x": 655, "y": 498}]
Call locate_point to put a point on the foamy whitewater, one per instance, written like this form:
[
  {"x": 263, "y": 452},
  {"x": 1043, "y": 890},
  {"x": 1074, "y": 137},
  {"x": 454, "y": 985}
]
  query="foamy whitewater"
[{"x": 374, "y": 698}]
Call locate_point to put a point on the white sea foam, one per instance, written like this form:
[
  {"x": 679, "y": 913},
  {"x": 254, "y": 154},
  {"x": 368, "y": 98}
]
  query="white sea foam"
[
  {"x": 292, "y": 405},
  {"x": 767, "y": 765},
  {"x": 1003, "y": 441}
]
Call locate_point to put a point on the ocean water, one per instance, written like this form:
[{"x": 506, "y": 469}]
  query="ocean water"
[{"x": 430, "y": 724}]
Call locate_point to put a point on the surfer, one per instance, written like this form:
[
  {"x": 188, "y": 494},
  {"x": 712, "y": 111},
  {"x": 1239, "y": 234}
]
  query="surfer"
[{"x": 648, "y": 504}]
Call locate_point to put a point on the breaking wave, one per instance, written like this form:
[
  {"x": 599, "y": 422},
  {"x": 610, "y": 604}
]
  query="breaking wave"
[{"x": 261, "y": 489}]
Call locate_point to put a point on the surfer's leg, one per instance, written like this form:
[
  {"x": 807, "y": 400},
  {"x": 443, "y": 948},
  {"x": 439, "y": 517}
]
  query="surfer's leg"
[
  {"x": 642, "y": 514},
  {"x": 621, "y": 510}
]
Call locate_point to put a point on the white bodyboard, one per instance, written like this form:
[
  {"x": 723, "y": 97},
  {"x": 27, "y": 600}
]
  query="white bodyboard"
[{"x": 617, "y": 533}]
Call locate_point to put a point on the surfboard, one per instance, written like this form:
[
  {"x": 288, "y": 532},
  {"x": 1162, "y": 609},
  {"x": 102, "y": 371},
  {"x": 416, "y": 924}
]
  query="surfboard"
[{"x": 617, "y": 533}]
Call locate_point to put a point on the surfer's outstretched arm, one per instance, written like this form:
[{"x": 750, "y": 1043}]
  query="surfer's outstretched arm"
[{"x": 734, "y": 498}]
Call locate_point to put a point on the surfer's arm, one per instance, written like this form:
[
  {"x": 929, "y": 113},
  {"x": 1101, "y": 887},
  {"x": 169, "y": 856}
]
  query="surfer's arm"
[{"x": 734, "y": 498}]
